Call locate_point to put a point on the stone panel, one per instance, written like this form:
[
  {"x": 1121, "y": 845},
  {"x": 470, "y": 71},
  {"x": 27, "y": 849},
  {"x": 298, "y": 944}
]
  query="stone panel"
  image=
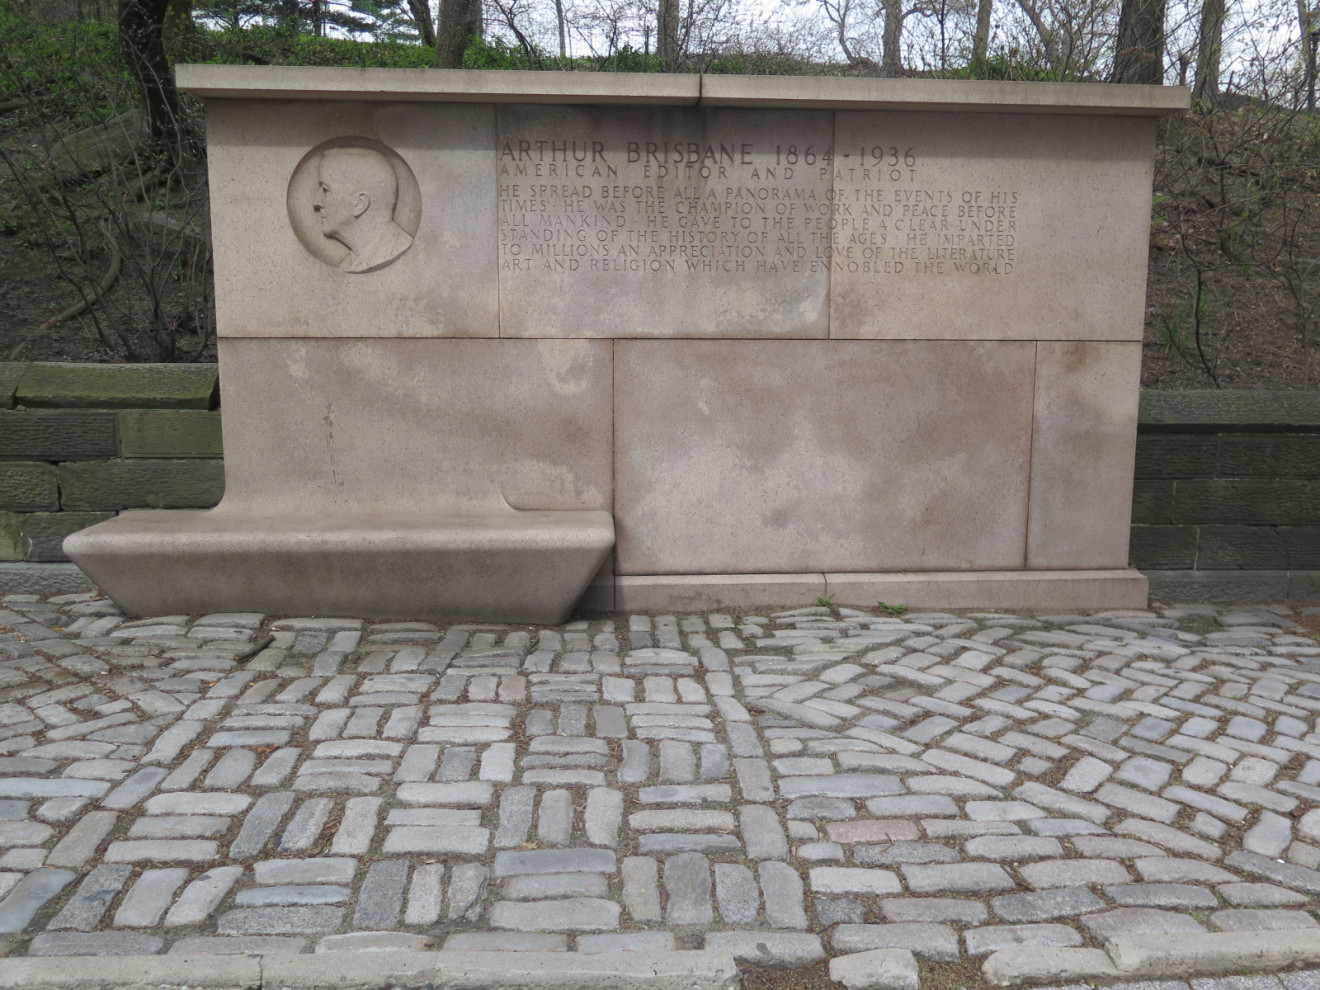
[
  {"x": 673, "y": 223},
  {"x": 416, "y": 425},
  {"x": 903, "y": 456},
  {"x": 966, "y": 226},
  {"x": 1082, "y": 453},
  {"x": 443, "y": 285}
]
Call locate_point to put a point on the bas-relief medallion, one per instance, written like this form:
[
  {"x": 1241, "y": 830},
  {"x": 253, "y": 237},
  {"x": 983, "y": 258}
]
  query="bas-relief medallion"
[{"x": 354, "y": 204}]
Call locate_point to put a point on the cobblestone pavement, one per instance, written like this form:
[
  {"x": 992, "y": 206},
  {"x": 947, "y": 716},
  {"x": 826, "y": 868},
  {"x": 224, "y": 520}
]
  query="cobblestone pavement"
[{"x": 785, "y": 785}]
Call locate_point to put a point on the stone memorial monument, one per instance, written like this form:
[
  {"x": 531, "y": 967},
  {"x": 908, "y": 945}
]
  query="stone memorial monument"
[{"x": 492, "y": 343}]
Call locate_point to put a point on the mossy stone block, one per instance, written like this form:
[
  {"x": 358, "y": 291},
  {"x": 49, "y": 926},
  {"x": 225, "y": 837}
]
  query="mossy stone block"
[
  {"x": 28, "y": 486},
  {"x": 10, "y": 373},
  {"x": 11, "y": 544},
  {"x": 1176, "y": 456},
  {"x": 1278, "y": 455},
  {"x": 1152, "y": 502},
  {"x": 1259, "y": 547},
  {"x": 57, "y": 434},
  {"x": 1229, "y": 412},
  {"x": 1234, "y": 587},
  {"x": 169, "y": 433},
  {"x": 1163, "y": 547},
  {"x": 141, "y": 484},
  {"x": 1253, "y": 503},
  {"x": 42, "y": 533},
  {"x": 118, "y": 386}
]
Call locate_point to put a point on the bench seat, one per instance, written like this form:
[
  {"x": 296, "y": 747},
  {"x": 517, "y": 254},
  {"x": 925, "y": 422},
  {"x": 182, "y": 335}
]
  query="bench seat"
[{"x": 479, "y": 566}]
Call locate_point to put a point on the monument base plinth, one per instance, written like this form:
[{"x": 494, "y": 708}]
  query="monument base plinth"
[
  {"x": 512, "y": 566},
  {"x": 1081, "y": 589}
]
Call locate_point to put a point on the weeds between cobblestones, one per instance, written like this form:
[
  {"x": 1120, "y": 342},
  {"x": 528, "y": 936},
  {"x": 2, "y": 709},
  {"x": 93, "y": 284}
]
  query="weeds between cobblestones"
[{"x": 786, "y": 786}]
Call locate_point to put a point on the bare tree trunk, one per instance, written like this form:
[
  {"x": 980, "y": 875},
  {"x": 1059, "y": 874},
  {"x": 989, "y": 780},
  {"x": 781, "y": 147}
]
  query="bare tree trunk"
[
  {"x": 559, "y": 22},
  {"x": 1307, "y": 21},
  {"x": 142, "y": 45},
  {"x": 1207, "y": 50},
  {"x": 981, "y": 39},
  {"x": 1140, "y": 54},
  {"x": 891, "y": 63},
  {"x": 460, "y": 22},
  {"x": 844, "y": 8},
  {"x": 1043, "y": 31},
  {"x": 667, "y": 34},
  {"x": 421, "y": 14}
]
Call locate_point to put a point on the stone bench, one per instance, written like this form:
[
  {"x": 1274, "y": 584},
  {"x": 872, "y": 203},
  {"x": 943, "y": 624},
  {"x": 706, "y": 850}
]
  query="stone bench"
[{"x": 480, "y": 567}]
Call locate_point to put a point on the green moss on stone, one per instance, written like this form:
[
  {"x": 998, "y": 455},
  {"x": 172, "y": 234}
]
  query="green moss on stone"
[
  {"x": 141, "y": 484},
  {"x": 10, "y": 373},
  {"x": 169, "y": 433},
  {"x": 57, "y": 434},
  {"x": 118, "y": 386},
  {"x": 42, "y": 533},
  {"x": 28, "y": 486},
  {"x": 11, "y": 545}
]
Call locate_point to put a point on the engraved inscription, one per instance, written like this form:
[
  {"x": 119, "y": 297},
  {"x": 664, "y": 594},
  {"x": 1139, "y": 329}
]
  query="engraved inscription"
[
  {"x": 729, "y": 205},
  {"x": 920, "y": 231}
]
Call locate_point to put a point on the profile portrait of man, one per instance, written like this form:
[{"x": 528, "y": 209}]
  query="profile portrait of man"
[{"x": 357, "y": 191}]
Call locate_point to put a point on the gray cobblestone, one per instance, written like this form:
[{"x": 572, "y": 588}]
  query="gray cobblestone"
[
  {"x": 641, "y": 890},
  {"x": 149, "y": 897},
  {"x": 89, "y": 902},
  {"x": 95, "y": 944},
  {"x": 300, "y": 920},
  {"x": 956, "y": 878},
  {"x": 936, "y": 942},
  {"x": 380, "y": 901},
  {"x": 202, "y": 896},
  {"x": 1139, "y": 921}
]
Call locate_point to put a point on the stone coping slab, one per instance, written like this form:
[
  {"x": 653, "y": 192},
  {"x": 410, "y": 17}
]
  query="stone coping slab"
[
  {"x": 693, "y": 970},
  {"x": 1156, "y": 957},
  {"x": 1256, "y": 411},
  {"x": 117, "y": 386},
  {"x": 656, "y": 89}
]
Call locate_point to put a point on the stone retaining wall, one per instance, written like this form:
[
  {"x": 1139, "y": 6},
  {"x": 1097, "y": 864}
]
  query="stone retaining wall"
[
  {"x": 78, "y": 443},
  {"x": 1226, "y": 501}
]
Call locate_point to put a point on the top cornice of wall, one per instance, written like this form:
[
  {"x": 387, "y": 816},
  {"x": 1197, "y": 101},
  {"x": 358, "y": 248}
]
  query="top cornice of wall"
[{"x": 266, "y": 82}]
